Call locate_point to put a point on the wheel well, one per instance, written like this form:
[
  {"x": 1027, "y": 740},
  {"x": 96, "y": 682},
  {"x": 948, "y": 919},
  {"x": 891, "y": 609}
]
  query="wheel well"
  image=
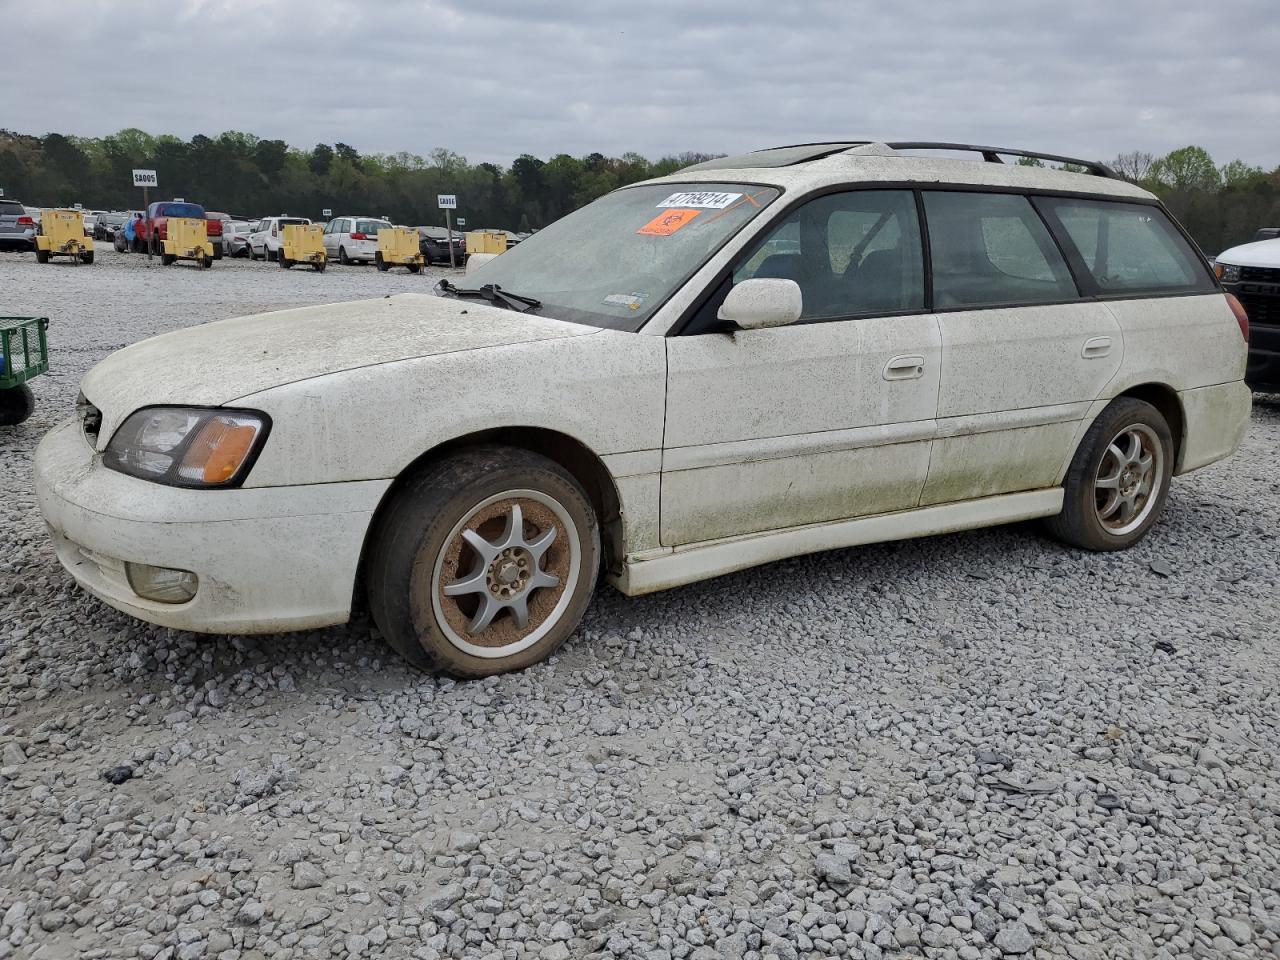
[
  {"x": 1165, "y": 399},
  {"x": 587, "y": 468}
]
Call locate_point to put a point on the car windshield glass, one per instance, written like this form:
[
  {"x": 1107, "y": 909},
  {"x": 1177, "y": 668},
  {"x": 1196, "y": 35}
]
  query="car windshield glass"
[
  {"x": 371, "y": 226},
  {"x": 193, "y": 210},
  {"x": 614, "y": 262}
]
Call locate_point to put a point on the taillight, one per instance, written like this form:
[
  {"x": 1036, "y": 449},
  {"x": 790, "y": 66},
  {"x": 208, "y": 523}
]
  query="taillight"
[
  {"x": 26, "y": 222},
  {"x": 359, "y": 236},
  {"x": 1242, "y": 315}
]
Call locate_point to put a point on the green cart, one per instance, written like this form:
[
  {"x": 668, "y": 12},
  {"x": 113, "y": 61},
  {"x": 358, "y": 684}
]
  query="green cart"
[{"x": 24, "y": 353}]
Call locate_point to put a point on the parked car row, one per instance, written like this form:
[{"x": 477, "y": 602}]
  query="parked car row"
[{"x": 347, "y": 239}]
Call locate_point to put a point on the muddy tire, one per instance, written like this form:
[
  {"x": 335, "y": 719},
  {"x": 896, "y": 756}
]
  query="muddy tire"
[
  {"x": 16, "y": 404},
  {"x": 483, "y": 562},
  {"x": 1118, "y": 482}
]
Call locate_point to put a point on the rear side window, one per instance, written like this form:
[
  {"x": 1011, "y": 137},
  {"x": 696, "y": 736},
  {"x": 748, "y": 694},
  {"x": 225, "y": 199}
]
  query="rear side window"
[
  {"x": 1129, "y": 247},
  {"x": 853, "y": 254},
  {"x": 990, "y": 249}
]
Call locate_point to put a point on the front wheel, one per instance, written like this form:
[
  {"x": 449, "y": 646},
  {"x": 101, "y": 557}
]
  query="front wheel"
[
  {"x": 380, "y": 263},
  {"x": 483, "y": 562},
  {"x": 42, "y": 256},
  {"x": 343, "y": 258},
  {"x": 319, "y": 266},
  {"x": 16, "y": 404},
  {"x": 284, "y": 262},
  {"x": 86, "y": 257},
  {"x": 1118, "y": 482}
]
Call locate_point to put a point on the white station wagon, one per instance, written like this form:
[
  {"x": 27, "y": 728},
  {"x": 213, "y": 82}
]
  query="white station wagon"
[{"x": 794, "y": 350}]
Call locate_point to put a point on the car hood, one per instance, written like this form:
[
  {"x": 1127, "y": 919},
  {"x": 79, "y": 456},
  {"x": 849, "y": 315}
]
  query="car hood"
[
  {"x": 1261, "y": 253},
  {"x": 216, "y": 363}
]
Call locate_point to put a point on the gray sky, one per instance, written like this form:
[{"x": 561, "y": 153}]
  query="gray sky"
[{"x": 492, "y": 79}]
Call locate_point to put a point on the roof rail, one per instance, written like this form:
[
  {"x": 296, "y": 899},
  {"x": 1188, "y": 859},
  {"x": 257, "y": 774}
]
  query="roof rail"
[
  {"x": 992, "y": 155},
  {"x": 989, "y": 154}
]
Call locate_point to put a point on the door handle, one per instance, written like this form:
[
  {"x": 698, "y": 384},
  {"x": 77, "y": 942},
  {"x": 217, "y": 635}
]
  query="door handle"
[
  {"x": 1096, "y": 347},
  {"x": 904, "y": 368}
]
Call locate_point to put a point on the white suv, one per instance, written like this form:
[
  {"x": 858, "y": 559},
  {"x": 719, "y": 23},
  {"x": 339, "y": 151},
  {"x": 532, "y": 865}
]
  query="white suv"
[
  {"x": 791, "y": 351},
  {"x": 267, "y": 236},
  {"x": 353, "y": 239}
]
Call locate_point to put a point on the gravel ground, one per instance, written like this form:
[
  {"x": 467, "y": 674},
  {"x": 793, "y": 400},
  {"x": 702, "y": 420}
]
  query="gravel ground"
[{"x": 970, "y": 746}]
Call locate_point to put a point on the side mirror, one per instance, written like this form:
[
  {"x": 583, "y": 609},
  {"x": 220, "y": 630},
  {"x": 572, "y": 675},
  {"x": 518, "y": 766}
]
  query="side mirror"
[
  {"x": 760, "y": 303},
  {"x": 478, "y": 260}
]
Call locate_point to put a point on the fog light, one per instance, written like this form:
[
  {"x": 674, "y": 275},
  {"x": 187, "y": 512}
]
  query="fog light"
[{"x": 161, "y": 584}]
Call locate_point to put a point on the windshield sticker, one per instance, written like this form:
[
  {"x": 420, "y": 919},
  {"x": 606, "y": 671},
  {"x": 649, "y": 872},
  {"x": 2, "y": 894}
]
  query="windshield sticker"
[
  {"x": 667, "y": 222},
  {"x": 631, "y": 301},
  {"x": 706, "y": 200}
]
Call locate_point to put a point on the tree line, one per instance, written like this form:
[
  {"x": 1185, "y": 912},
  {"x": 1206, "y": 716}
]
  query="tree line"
[{"x": 245, "y": 175}]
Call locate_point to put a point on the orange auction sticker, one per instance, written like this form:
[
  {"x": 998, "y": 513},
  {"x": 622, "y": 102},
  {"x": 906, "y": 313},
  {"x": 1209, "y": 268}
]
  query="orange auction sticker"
[{"x": 667, "y": 222}]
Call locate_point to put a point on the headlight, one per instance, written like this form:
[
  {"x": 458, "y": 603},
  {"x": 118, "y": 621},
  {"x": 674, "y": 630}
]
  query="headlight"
[
  {"x": 188, "y": 447},
  {"x": 1227, "y": 272}
]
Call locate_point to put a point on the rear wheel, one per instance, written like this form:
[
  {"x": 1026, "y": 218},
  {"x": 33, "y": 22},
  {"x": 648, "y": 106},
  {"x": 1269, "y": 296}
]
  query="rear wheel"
[
  {"x": 1118, "y": 482},
  {"x": 16, "y": 404},
  {"x": 483, "y": 563}
]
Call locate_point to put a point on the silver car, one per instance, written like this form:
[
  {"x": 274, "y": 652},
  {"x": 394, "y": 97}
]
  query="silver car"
[
  {"x": 17, "y": 227},
  {"x": 353, "y": 239}
]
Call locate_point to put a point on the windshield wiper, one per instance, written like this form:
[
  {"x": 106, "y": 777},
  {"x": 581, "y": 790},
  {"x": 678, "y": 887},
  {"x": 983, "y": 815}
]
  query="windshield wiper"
[{"x": 494, "y": 294}]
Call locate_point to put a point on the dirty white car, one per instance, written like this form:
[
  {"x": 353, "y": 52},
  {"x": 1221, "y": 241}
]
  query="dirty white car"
[{"x": 791, "y": 351}]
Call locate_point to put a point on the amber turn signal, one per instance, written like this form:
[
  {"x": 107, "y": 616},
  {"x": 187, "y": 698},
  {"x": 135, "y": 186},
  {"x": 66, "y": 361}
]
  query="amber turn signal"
[{"x": 219, "y": 449}]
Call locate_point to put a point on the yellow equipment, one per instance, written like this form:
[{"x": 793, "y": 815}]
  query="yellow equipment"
[
  {"x": 302, "y": 243},
  {"x": 398, "y": 247},
  {"x": 186, "y": 238},
  {"x": 484, "y": 241},
  {"x": 62, "y": 235}
]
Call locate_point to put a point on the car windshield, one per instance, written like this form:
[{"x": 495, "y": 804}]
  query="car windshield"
[
  {"x": 614, "y": 262},
  {"x": 371, "y": 226},
  {"x": 192, "y": 210}
]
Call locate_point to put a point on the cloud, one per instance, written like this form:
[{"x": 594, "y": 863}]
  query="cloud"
[{"x": 494, "y": 80}]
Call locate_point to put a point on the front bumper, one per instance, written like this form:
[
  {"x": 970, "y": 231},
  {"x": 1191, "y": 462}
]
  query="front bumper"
[
  {"x": 268, "y": 559},
  {"x": 1261, "y": 300}
]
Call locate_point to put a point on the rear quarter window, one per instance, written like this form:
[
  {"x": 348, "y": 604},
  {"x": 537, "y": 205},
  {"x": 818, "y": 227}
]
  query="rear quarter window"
[{"x": 1129, "y": 247}]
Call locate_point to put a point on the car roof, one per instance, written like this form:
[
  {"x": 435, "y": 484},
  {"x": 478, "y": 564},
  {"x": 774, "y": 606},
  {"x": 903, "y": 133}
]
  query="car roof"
[{"x": 813, "y": 166}]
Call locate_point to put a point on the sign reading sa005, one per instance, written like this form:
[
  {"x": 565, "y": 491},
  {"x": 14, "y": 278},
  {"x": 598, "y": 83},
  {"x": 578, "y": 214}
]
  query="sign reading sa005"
[
  {"x": 447, "y": 201},
  {"x": 145, "y": 178}
]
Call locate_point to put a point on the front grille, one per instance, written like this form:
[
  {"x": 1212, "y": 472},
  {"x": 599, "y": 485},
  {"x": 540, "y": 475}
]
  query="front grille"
[
  {"x": 1262, "y": 309},
  {"x": 90, "y": 419},
  {"x": 1260, "y": 274}
]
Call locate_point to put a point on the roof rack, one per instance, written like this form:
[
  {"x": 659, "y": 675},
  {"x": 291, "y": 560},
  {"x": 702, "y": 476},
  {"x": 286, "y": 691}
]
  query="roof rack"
[{"x": 989, "y": 154}]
